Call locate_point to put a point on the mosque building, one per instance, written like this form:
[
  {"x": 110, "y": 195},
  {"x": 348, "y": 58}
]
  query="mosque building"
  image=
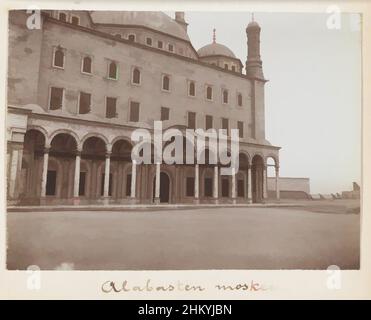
[{"x": 82, "y": 82}]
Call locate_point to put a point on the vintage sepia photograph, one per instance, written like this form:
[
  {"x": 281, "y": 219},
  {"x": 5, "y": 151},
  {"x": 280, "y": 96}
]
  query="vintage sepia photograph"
[{"x": 150, "y": 140}]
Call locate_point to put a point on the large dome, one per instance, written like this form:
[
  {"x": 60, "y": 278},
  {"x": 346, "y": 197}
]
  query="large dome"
[
  {"x": 154, "y": 20},
  {"x": 215, "y": 49}
]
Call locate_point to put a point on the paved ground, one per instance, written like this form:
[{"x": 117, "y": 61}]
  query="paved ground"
[{"x": 312, "y": 237}]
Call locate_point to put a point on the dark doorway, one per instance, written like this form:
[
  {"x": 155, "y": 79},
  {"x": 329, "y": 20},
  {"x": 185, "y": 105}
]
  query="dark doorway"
[
  {"x": 82, "y": 184},
  {"x": 51, "y": 180},
  {"x": 225, "y": 187},
  {"x": 208, "y": 187},
  {"x": 164, "y": 188}
]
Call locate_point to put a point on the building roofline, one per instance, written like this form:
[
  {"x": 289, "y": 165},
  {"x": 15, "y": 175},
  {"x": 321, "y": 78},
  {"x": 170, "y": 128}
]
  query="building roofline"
[
  {"x": 145, "y": 47},
  {"x": 222, "y": 56},
  {"x": 137, "y": 26}
]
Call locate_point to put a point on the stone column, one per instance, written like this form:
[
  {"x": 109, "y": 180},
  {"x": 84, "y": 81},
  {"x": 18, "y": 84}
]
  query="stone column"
[
  {"x": 216, "y": 178},
  {"x": 76, "y": 184},
  {"x": 265, "y": 195},
  {"x": 277, "y": 183},
  {"x": 133, "y": 179},
  {"x": 45, "y": 172},
  {"x": 13, "y": 172},
  {"x": 197, "y": 183},
  {"x": 249, "y": 185},
  {"x": 157, "y": 183},
  {"x": 233, "y": 186},
  {"x": 106, "y": 175}
]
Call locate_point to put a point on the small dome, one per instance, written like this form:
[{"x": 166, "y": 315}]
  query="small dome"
[
  {"x": 151, "y": 19},
  {"x": 253, "y": 24},
  {"x": 215, "y": 49}
]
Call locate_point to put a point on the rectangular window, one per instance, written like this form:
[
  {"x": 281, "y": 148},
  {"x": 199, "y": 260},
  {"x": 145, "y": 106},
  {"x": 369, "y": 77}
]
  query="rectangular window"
[
  {"x": 225, "y": 124},
  {"x": 190, "y": 187},
  {"x": 149, "y": 41},
  {"x": 208, "y": 187},
  {"x": 84, "y": 102},
  {"x": 240, "y": 188},
  {"x": 82, "y": 183},
  {"x": 51, "y": 181},
  {"x": 225, "y": 187},
  {"x": 165, "y": 113},
  {"x": 209, "y": 122},
  {"x": 109, "y": 185},
  {"x": 56, "y": 98},
  {"x": 160, "y": 44},
  {"x": 240, "y": 128},
  {"x": 191, "y": 120},
  {"x": 171, "y": 48},
  {"x": 134, "y": 111},
  {"x": 128, "y": 185},
  {"x": 111, "y": 107}
]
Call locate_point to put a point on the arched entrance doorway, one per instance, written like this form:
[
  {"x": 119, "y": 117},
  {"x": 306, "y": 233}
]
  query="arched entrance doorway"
[
  {"x": 164, "y": 188},
  {"x": 59, "y": 178},
  {"x": 29, "y": 187},
  {"x": 93, "y": 153},
  {"x": 257, "y": 176}
]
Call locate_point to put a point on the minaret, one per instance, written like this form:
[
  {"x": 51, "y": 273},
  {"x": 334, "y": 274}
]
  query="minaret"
[
  {"x": 179, "y": 18},
  {"x": 254, "y": 64}
]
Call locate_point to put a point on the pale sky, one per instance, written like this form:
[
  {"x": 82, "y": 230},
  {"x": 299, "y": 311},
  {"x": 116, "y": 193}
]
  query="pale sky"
[{"x": 313, "y": 97}]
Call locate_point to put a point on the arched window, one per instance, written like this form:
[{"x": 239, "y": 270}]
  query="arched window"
[
  {"x": 166, "y": 83},
  {"x": 86, "y": 65},
  {"x": 112, "y": 70},
  {"x": 209, "y": 93},
  {"x": 239, "y": 99},
  {"x": 192, "y": 89},
  {"x": 136, "y": 76},
  {"x": 58, "y": 60},
  {"x": 62, "y": 16},
  {"x": 225, "y": 96},
  {"x": 75, "y": 20},
  {"x": 131, "y": 37}
]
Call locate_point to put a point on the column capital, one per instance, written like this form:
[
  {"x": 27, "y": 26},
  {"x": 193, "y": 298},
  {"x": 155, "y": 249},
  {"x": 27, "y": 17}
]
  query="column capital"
[
  {"x": 108, "y": 154},
  {"x": 46, "y": 149}
]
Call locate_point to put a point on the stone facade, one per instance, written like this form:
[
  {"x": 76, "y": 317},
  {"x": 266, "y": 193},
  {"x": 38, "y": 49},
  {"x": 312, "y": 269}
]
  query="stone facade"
[{"x": 79, "y": 86}]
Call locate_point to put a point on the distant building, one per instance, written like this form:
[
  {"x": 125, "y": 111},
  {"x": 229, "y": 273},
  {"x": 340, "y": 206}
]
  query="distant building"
[
  {"x": 354, "y": 194},
  {"x": 290, "y": 188}
]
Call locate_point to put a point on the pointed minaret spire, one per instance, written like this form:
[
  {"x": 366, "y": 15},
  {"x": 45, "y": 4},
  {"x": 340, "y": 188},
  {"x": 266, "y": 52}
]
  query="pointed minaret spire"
[
  {"x": 214, "y": 35},
  {"x": 254, "y": 67}
]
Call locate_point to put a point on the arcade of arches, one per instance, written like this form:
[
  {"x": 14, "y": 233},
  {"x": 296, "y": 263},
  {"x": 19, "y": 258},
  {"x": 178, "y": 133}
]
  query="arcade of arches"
[{"x": 64, "y": 172}]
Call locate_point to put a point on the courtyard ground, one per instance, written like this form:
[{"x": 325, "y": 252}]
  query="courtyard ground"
[{"x": 313, "y": 235}]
